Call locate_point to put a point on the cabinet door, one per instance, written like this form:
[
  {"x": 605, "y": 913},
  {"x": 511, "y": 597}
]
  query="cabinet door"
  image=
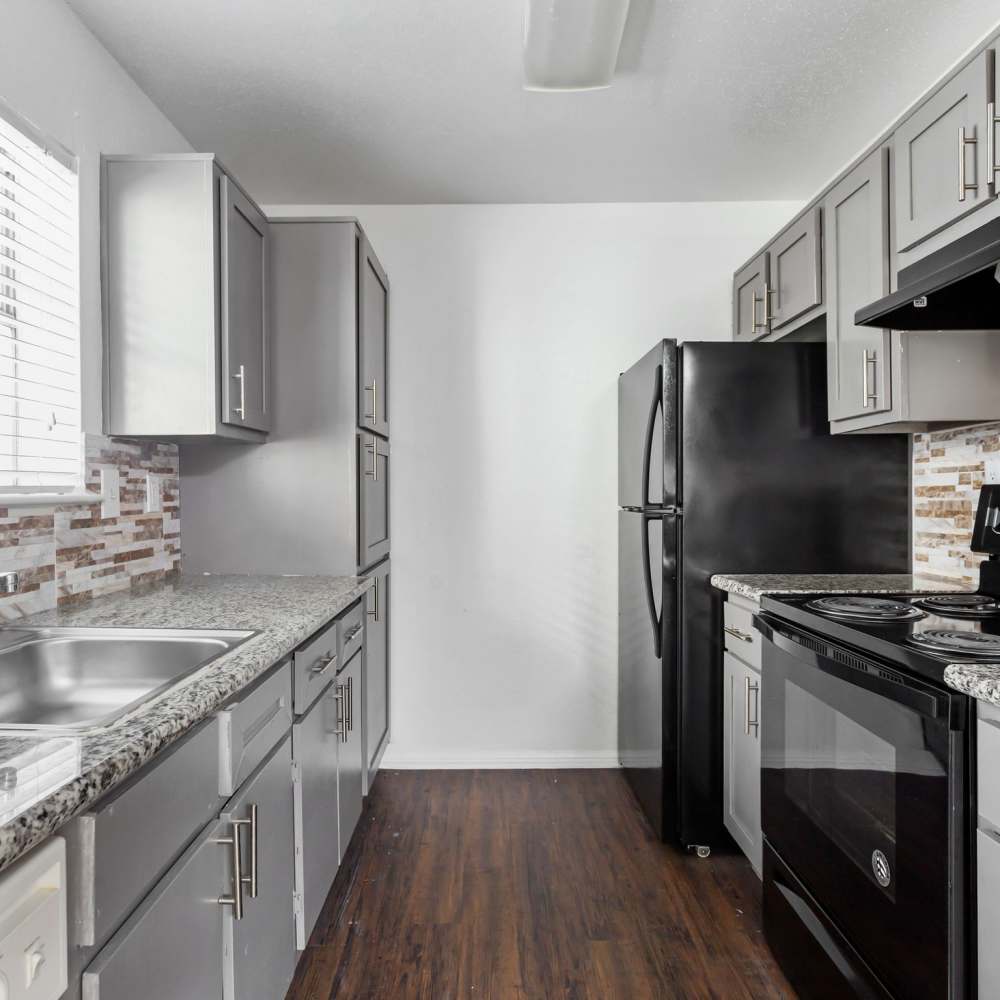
[
  {"x": 259, "y": 949},
  {"x": 795, "y": 282},
  {"x": 988, "y": 874},
  {"x": 373, "y": 342},
  {"x": 317, "y": 850},
  {"x": 938, "y": 177},
  {"x": 350, "y": 759},
  {"x": 856, "y": 214},
  {"x": 741, "y": 774},
  {"x": 373, "y": 499},
  {"x": 376, "y": 693},
  {"x": 171, "y": 946},
  {"x": 749, "y": 293},
  {"x": 245, "y": 362}
]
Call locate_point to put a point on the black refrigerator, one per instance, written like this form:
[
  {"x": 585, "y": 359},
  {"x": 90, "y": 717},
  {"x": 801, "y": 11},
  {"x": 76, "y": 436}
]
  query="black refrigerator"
[{"x": 726, "y": 464}]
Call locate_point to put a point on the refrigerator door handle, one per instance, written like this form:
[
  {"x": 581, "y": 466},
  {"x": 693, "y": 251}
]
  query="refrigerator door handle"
[
  {"x": 647, "y": 579},
  {"x": 647, "y": 449}
]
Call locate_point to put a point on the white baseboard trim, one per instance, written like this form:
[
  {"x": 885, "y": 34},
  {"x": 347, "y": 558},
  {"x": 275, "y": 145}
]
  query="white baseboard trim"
[{"x": 398, "y": 759}]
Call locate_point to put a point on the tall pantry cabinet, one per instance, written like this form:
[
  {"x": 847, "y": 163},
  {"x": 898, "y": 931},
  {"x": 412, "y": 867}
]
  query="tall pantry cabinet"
[{"x": 315, "y": 498}]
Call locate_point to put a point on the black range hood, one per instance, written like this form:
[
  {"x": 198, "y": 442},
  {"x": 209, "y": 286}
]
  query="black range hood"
[{"x": 955, "y": 288}]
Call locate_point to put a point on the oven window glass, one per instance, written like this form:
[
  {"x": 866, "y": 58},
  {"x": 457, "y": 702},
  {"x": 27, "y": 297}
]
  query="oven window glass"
[{"x": 843, "y": 777}]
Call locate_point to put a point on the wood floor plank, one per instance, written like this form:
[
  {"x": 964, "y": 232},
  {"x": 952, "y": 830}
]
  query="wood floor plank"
[{"x": 530, "y": 885}]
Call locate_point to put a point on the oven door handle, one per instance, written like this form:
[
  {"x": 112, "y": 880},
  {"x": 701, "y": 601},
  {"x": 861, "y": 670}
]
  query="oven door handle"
[{"x": 854, "y": 668}]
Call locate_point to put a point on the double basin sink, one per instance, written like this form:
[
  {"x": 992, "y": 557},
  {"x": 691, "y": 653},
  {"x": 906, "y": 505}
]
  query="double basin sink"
[{"x": 83, "y": 678}]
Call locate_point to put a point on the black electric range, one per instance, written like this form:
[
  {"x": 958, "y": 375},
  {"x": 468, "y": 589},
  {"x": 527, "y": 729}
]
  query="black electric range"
[{"x": 921, "y": 633}]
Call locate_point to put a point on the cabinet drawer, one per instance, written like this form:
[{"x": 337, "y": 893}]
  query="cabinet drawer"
[
  {"x": 350, "y": 633},
  {"x": 988, "y": 769},
  {"x": 117, "y": 851},
  {"x": 171, "y": 946},
  {"x": 314, "y": 666},
  {"x": 742, "y": 639},
  {"x": 988, "y": 867},
  {"x": 251, "y": 727}
]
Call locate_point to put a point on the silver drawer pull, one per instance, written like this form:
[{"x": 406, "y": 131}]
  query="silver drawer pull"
[
  {"x": 869, "y": 359},
  {"x": 373, "y": 389},
  {"x": 372, "y": 473},
  {"x": 374, "y": 613},
  {"x": 748, "y": 723},
  {"x": 322, "y": 664},
  {"x": 350, "y": 705},
  {"x": 992, "y": 167},
  {"x": 737, "y": 634},
  {"x": 350, "y": 635}
]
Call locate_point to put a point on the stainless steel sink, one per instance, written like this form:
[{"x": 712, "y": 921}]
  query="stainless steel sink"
[{"x": 77, "y": 678}]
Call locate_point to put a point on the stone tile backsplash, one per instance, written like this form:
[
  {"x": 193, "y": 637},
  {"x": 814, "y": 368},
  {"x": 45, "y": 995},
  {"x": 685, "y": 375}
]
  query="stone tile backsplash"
[
  {"x": 949, "y": 467},
  {"x": 69, "y": 553}
]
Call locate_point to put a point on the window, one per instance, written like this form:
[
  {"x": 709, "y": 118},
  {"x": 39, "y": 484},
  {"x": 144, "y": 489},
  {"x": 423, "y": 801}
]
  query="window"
[{"x": 41, "y": 448}]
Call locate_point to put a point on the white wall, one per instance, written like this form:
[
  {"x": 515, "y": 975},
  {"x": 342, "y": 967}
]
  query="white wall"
[
  {"x": 56, "y": 74},
  {"x": 509, "y": 325}
]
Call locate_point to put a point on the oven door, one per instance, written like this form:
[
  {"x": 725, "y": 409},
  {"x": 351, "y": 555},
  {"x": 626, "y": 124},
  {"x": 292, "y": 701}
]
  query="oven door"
[{"x": 862, "y": 797}]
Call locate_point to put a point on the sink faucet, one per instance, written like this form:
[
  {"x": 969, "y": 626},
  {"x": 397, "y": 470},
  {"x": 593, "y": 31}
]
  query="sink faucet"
[{"x": 9, "y": 583}]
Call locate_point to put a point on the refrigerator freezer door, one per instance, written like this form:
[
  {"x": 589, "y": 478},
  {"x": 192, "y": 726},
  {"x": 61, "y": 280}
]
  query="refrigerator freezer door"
[
  {"x": 647, "y": 608},
  {"x": 647, "y": 430}
]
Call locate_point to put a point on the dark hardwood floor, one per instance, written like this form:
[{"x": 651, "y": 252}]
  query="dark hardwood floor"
[{"x": 530, "y": 885}]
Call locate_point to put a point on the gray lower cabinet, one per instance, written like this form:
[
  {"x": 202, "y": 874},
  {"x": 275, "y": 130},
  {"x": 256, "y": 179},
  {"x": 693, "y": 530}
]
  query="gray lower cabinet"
[
  {"x": 856, "y": 253},
  {"x": 184, "y": 263},
  {"x": 350, "y": 752},
  {"x": 377, "y": 670},
  {"x": 259, "y": 948},
  {"x": 373, "y": 341},
  {"x": 795, "y": 284},
  {"x": 742, "y": 756},
  {"x": 373, "y": 499},
  {"x": 988, "y": 846},
  {"x": 940, "y": 171},
  {"x": 750, "y": 292},
  {"x": 170, "y": 948},
  {"x": 315, "y": 739}
]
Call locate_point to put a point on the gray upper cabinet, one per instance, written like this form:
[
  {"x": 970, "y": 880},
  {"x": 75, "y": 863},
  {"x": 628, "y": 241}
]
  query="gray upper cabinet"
[
  {"x": 750, "y": 287},
  {"x": 373, "y": 341},
  {"x": 184, "y": 258},
  {"x": 373, "y": 499},
  {"x": 940, "y": 171},
  {"x": 376, "y": 693},
  {"x": 243, "y": 269},
  {"x": 795, "y": 283},
  {"x": 856, "y": 215}
]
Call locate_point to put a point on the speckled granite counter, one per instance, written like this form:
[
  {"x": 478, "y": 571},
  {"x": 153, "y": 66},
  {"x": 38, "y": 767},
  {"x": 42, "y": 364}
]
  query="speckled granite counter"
[
  {"x": 981, "y": 680},
  {"x": 753, "y": 585},
  {"x": 72, "y": 771}
]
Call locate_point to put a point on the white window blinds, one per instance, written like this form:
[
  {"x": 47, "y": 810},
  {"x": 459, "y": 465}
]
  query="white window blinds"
[{"x": 40, "y": 440}]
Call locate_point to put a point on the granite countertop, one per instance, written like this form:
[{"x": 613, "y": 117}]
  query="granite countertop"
[
  {"x": 60, "y": 775},
  {"x": 981, "y": 680},
  {"x": 754, "y": 585}
]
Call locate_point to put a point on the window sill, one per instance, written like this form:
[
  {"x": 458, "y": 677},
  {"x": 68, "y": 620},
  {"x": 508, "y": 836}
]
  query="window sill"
[{"x": 48, "y": 499}]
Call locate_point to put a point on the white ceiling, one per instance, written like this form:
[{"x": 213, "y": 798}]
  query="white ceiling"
[{"x": 420, "y": 101}]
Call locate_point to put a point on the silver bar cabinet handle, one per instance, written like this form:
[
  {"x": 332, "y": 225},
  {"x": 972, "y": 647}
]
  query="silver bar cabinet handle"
[
  {"x": 241, "y": 410},
  {"x": 768, "y": 314},
  {"x": 236, "y": 899},
  {"x": 737, "y": 634},
  {"x": 374, "y": 613},
  {"x": 350, "y": 705},
  {"x": 963, "y": 141},
  {"x": 322, "y": 663},
  {"x": 251, "y": 879},
  {"x": 868, "y": 359},
  {"x": 751, "y": 687},
  {"x": 338, "y": 697},
  {"x": 992, "y": 120},
  {"x": 373, "y": 473},
  {"x": 373, "y": 389},
  {"x": 754, "y": 325}
]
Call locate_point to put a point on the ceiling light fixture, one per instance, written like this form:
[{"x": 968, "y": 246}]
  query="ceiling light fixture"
[{"x": 572, "y": 44}]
